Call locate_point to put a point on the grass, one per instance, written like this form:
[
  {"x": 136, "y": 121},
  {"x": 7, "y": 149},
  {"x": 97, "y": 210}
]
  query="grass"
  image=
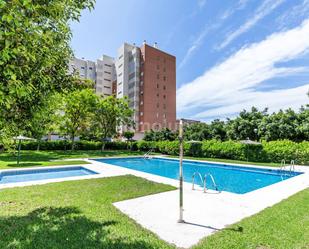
[
  {"x": 231, "y": 161},
  {"x": 80, "y": 214},
  {"x": 283, "y": 226},
  {"x": 52, "y": 158},
  {"x": 74, "y": 215}
]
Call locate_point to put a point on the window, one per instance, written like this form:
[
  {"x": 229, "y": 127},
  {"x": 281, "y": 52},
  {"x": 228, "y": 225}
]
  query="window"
[
  {"x": 158, "y": 76},
  {"x": 164, "y": 106},
  {"x": 120, "y": 66},
  {"x": 131, "y": 58},
  {"x": 107, "y": 72},
  {"x": 157, "y": 115},
  {"x": 119, "y": 92},
  {"x": 158, "y": 67},
  {"x": 131, "y": 76},
  {"x": 107, "y": 87},
  {"x": 142, "y": 114},
  {"x": 107, "y": 65},
  {"x": 82, "y": 67},
  {"x": 119, "y": 75},
  {"x": 158, "y": 57},
  {"x": 107, "y": 94},
  {"x": 142, "y": 82},
  {"x": 107, "y": 80},
  {"x": 164, "y": 96},
  {"x": 164, "y": 115},
  {"x": 142, "y": 102},
  {"x": 157, "y": 85},
  {"x": 142, "y": 92},
  {"x": 164, "y": 69},
  {"x": 158, "y": 105},
  {"x": 164, "y": 87},
  {"x": 164, "y": 78},
  {"x": 121, "y": 56},
  {"x": 119, "y": 83},
  {"x": 90, "y": 68},
  {"x": 157, "y": 95},
  {"x": 164, "y": 59}
]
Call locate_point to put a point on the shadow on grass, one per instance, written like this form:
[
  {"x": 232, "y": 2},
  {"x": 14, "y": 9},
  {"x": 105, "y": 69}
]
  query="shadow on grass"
[
  {"x": 55, "y": 228},
  {"x": 42, "y": 156},
  {"x": 24, "y": 165}
]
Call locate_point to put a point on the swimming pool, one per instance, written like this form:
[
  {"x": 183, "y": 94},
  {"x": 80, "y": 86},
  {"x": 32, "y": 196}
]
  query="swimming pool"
[
  {"x": 235, "y": 179},
  {"x": 15, "y": 176}
]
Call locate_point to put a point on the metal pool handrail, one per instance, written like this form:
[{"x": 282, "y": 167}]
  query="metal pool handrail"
[
  {"x": 212, "y": 179},
  {"x": 193, "y": 177},
  {"x": 147, "y": 154}
]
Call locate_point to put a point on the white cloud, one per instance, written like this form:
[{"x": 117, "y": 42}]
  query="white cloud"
[
  {"x": 265, "y": 9},
  {"x": 198, "y": 42},
  {"x": 294, "y": 14},
  {"x": 232, "y": 83}
]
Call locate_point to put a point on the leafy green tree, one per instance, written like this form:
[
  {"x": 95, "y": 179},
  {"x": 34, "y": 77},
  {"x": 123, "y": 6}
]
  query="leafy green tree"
[
  {"x": 34, "y": 55},
  {"x": 76, "y": 113},
  {"x": 109, "y": 114},
  {"x": 45, "y": 118},
  {"x": 280, "y": 125},
  {"x": 197, "y": 132},
  {"x": 128, "y": 135},
  {"x": 246, "y": 125},
  {"x": 218, "y": 130},
  {"x": 161, "y": 135}
]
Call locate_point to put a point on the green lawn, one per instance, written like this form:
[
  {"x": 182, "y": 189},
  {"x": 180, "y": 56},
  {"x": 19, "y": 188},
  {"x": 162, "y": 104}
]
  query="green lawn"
[
  {"x": 47, "y": 158},
  {"x": 80, "y": 214}
]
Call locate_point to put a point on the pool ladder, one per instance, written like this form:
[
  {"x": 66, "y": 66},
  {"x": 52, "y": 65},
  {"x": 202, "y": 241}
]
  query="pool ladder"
[
  {"x": 203, "y": 180},
  {"x": 284, "y": 169},
  {"x": 147, "y": 154}
]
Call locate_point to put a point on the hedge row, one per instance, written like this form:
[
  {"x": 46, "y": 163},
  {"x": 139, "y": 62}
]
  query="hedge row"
[
  {"x": 273, "y": 151},
  {"x": 79, "y": 145}
]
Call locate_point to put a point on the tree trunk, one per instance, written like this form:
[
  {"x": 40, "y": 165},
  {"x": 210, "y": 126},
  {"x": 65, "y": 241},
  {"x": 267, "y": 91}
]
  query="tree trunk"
[
  {"x": 73, "y": 141},
  {"x": 39, "y": 143}
]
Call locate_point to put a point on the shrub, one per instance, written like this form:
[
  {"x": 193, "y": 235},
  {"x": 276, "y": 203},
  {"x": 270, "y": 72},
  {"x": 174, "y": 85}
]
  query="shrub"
[{"x": 273, "y": 151}]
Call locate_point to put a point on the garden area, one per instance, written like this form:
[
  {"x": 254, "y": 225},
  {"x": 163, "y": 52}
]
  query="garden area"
[{"x": 80, "y": 214}]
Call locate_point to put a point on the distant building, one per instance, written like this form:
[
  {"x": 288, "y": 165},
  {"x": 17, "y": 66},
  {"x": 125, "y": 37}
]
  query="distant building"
[
  {"x": 187, "y": 122},
  {"x": 145, "y": 75}
]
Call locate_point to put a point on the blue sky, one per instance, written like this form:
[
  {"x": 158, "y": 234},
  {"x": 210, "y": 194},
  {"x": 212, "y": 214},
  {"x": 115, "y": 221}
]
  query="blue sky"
[{"x": 231, "y": 54}]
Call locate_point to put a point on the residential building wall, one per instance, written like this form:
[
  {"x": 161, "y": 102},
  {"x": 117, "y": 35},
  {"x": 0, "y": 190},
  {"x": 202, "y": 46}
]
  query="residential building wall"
[
  {"x": 158, "y": 89},
  {"x": 105, "y": 75},
  {"x": 85, "y": 68},
  {"x": 145, "y": 75}
]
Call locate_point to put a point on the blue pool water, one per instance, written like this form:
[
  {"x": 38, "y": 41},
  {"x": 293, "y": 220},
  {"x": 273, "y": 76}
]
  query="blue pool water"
[
  {"x": 42, "y": 174},
  {"x": 235, "y": 179}
]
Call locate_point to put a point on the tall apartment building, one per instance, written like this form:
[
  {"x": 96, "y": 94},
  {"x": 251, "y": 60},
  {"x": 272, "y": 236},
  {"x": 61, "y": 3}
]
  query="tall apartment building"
[{"x": 145, "y": 75}]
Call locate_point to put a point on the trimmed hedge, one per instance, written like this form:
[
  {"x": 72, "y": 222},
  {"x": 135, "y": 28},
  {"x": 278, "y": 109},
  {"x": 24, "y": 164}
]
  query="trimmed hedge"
[
  {"x": 79, "y": 145},
  {"x": 273, "y": 151}
]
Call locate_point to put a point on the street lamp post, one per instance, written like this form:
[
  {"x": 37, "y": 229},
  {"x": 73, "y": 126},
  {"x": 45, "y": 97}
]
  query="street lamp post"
[{"x": 180, "y": 172}]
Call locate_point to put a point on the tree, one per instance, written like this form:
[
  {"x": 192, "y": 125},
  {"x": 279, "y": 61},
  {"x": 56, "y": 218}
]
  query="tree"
[
  {"x": 45, "y": 118},
  {"x": 197, "y": 132},
  {"x": 34, "y": 56},
  {"x": 161, "y": 135},
  {"x": 128, "y": 135},
  {"x": 109, "y": 114},
  {"x": 246, "y": 125},
  {"x": 218, "y": 130},
  {"x": 77, "y": 112}
]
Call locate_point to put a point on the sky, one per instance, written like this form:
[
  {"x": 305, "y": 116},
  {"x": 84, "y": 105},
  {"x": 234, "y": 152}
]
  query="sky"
[{"x": 231, "y": 54}]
